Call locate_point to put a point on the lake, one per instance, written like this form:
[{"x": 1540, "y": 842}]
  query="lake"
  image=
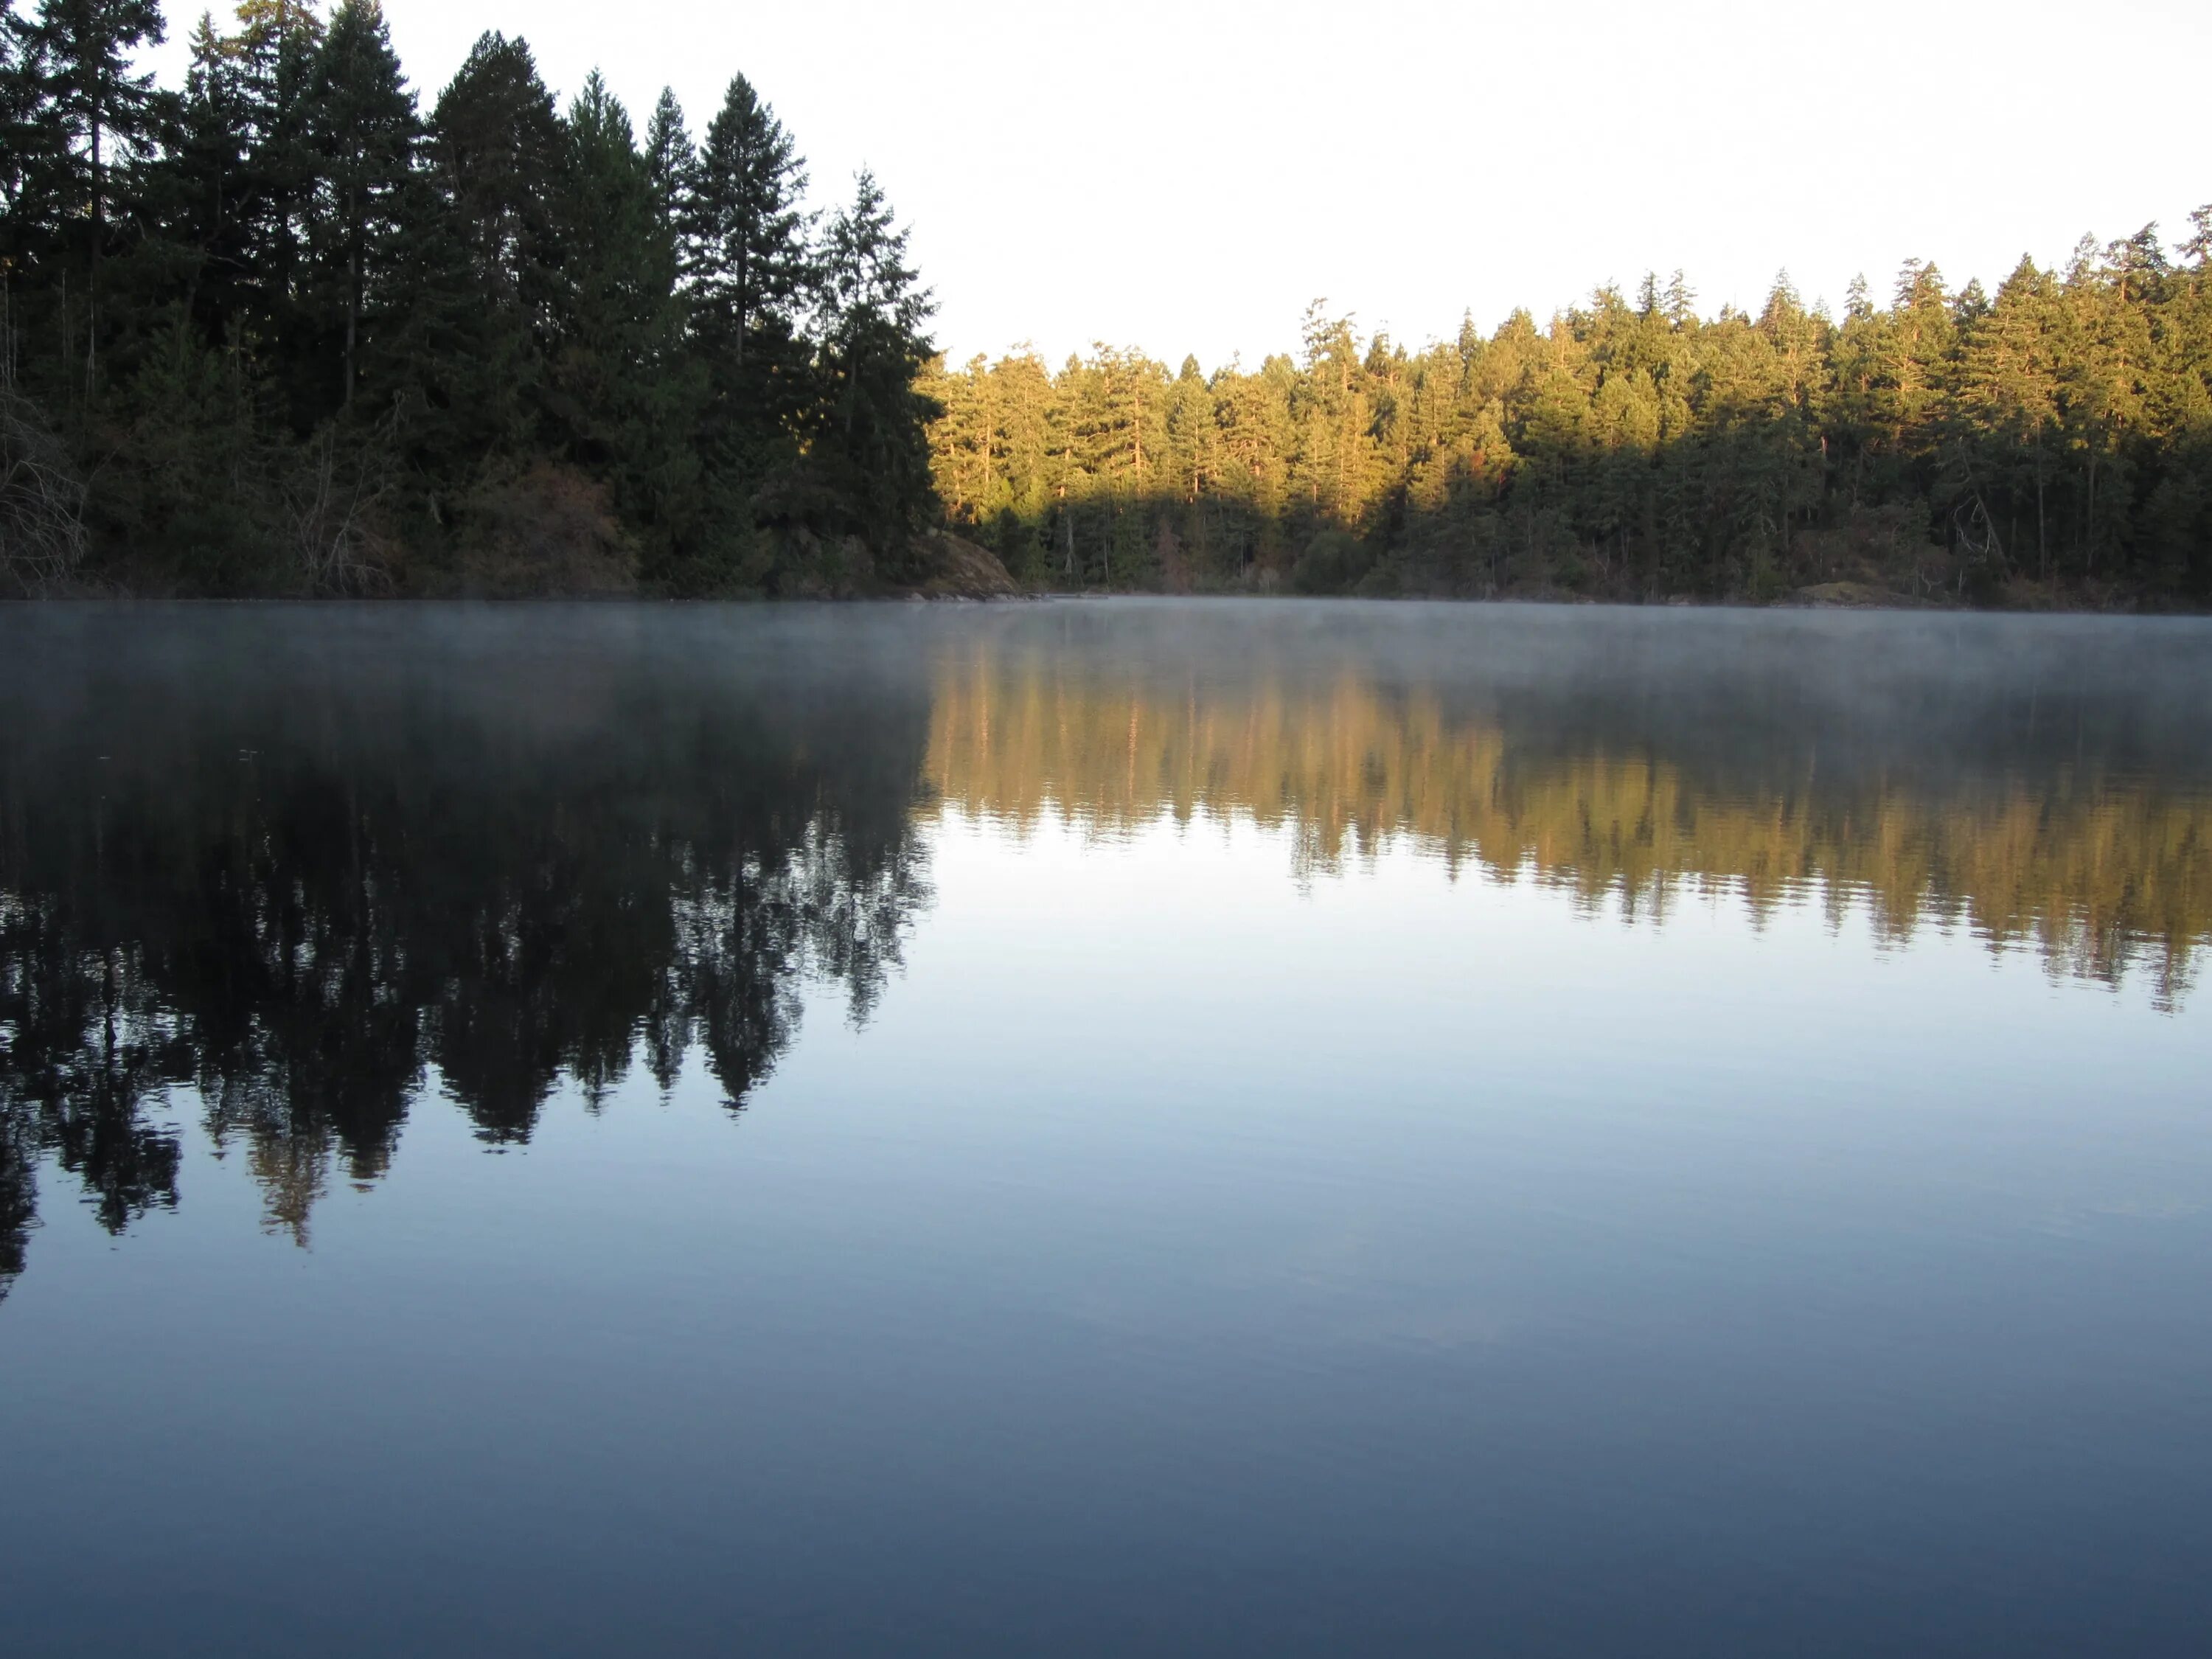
[{"x": 1103, "y": 1127}]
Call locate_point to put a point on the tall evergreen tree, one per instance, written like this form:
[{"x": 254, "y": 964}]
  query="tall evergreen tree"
[
  {"x": 365, "y": 130},
  {"x": 498, "y": 145},
  {"x": 101, "y": 114},
  {"x": 746, "y": 227},
  {"x": 626, "y": 390},
  {"x": 670, "y": 157},
  {"x": 483, "y": 256},
  {"x": 207, "y": 172},
  {"x": 22, "y": 93},
  {"x": 274, "y": 56},
  {"x": 748, "y": 265},
  {"x": 872, "y": 310}
]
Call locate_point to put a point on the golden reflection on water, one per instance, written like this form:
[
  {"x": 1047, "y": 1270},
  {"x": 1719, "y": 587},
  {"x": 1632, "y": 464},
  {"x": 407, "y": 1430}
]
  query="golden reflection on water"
[{"x": 2101, "y": 874}]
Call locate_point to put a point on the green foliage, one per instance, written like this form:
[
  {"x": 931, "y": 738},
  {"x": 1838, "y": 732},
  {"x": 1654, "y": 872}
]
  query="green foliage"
[
  {"x": 283, "y": 329},
  {"x": 2047, "y": 443},
  {"x": 870, "y": 448},
  {"x": 1334, "y": 562},
  {"x": 362, "y": 127},
  {"x": 302, "y": 337}
]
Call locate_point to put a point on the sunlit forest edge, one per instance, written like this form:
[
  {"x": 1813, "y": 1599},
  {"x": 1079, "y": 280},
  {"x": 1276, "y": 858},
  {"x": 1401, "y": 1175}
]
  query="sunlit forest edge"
[{"x": 2046, "y": 444}]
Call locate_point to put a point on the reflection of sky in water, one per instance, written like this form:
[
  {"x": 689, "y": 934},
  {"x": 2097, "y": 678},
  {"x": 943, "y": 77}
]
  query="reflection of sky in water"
[
  {"x": 1179, "y": 1248},
  {"x": 1217, "y": 1236}
]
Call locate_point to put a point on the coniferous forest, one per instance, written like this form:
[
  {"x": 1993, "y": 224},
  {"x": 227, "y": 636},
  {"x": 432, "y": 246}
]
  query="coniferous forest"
[
  {"x": 296, "y": 328},
  {"x": 2050, "y": 443},
  {"x": 291, "y": 330}
]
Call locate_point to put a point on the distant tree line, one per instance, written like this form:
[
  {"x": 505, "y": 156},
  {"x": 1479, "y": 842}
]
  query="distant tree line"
[
  {"x": 2051, "y": 442},
  {"x": 286, "y": 329}
]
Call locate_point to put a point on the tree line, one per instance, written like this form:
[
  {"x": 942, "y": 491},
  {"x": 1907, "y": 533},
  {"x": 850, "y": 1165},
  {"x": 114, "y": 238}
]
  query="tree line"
[
  {"x": 286, "y": 330},
  {"x": 2051, "y": 442}
]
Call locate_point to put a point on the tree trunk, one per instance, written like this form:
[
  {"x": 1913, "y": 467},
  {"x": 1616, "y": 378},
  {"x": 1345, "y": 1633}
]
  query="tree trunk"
[
  {"x": 2042, "y": 534},
  {"x": 99, "y": 238},
  {"x": 743, "y": 295},
  {"x": 2090, "y": 521},
  {"x": 353, "y": 291}
]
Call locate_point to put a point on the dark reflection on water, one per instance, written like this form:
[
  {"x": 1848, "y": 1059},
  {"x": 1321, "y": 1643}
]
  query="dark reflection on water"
[
  {"x": 293, "y": 872},
  {"x": 293, "y": 859}
]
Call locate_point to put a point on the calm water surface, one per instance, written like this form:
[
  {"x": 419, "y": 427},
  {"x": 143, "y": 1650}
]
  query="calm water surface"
[{"x": 1103, "y": 1129}]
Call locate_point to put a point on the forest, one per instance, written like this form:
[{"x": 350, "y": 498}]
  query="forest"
[
  {"x": 2047, "y": 444},
  {"x": 294, "y": 329},
  {"x": 286, "y": 330}
]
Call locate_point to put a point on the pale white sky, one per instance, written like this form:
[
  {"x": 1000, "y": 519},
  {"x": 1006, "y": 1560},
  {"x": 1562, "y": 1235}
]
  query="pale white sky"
[{"x": 1184, "y": 175}]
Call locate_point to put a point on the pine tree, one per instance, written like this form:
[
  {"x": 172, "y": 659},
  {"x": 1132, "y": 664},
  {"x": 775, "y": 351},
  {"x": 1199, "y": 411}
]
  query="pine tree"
[
  {"x": 498, "y": 146},
  {"x": 749, "y": 267},
  {"x": 626, "y": 391},
  {"x": 871, "y": 311},
  {"x": 207, "y": 167},
  {"x": 482, "y": 255},
  {"x": 273, "y": 57},
  {"x": 2004, "y": 408},
  {"x": 364, "y": 129},
  {"x": 1191, "y": 433},
  {"x": 22, "y": 93},
  {"x": 747, "y": 231},
  {"x": 100, "y": 115},
  {"x": 670, "y": 158}
]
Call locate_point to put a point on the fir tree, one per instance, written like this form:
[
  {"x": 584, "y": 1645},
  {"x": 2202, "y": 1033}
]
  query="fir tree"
[
  {"x": 670, "y": 158},
  {"x": 747, "y": 231},
  {"x": 364, "y": 127},
  {"x": 626, "y": 389},
  {"x": 99, "y": 114},
  {"x": 484, "y": 254},
  {"x": 871, "y": 313}
]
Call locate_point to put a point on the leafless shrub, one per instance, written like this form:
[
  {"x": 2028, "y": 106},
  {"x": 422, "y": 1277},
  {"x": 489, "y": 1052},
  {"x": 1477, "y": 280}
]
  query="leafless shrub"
[
  {"x": 41, "y": 498},
  {"x": 549, "y": 530},
  {"x": 331, "y": 501}
]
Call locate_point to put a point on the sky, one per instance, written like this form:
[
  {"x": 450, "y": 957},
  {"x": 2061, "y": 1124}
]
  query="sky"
[{"x": 1186, "y": 177}]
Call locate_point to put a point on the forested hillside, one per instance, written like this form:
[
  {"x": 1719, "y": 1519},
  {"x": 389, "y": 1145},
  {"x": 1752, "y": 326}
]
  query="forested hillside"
[
  {"x": 2051, "y": 443},
  {"x": 290, "y": 329}
]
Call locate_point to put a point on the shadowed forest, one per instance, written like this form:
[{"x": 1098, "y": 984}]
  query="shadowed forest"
[
  {"x": 289, "y": 330},
  {"x": 296, "y": 872},
  {"x": 297, "y": 328}
]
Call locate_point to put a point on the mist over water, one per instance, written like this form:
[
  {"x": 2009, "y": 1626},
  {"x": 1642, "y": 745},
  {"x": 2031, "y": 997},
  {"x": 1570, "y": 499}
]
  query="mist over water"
[{"x": 1106, "y": 1125}]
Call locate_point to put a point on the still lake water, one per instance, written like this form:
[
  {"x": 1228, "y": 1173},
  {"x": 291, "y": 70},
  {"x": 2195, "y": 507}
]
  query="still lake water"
[{"x": 1103, "y": 1129}]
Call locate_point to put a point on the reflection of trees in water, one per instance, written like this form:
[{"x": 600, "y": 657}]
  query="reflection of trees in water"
[
  {"x": 2103, "y": 868},
  {"x": 86, "y": 1047},
  {"x": 18, "y": 1194},
  {"x": 301, "y": 863},
  {"x": 301, "y": 892}
]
